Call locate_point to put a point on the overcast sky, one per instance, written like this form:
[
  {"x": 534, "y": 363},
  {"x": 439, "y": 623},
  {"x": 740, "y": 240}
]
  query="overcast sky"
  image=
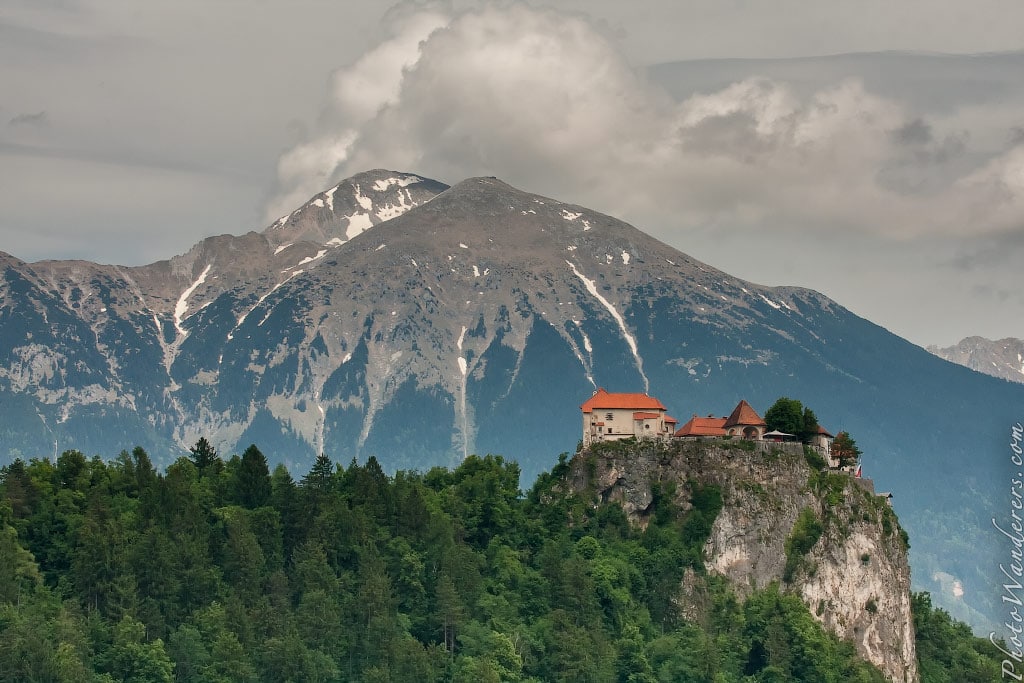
[{"x": 889, "y": 177}]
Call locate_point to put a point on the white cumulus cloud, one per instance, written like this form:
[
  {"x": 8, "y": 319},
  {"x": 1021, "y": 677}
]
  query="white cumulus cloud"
[{"x": 546, "y": 101}]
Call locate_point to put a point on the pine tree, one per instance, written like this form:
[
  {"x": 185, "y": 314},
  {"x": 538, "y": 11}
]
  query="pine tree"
[
  {"x": 204, "y": 456},
  {"x": 252, "y": 479}
]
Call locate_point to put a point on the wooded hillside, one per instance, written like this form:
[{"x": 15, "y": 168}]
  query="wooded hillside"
[{"x": 224, "y": 571}]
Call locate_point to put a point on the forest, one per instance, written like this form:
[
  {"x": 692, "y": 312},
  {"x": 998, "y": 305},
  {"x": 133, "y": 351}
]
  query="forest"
[{"x": 221, "y": 570}]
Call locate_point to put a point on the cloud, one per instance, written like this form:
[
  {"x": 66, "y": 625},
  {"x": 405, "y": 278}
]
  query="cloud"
[
  {"x": 38, "y": 119},
  {"x": 358, "y": 94},
  {"x": 546, "y": 101}
]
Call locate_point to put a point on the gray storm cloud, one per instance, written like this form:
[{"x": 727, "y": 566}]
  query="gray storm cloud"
[{"x": 546, "y": 101}]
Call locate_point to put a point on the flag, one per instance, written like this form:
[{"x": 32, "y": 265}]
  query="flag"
[{"x": 858, "y": 472}]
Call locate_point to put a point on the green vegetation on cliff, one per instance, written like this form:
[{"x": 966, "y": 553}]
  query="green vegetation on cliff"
[{"x": 219, "y": 571}]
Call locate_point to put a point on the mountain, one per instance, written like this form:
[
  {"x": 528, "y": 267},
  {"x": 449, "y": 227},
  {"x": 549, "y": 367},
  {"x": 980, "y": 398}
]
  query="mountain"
[
  {"x": 396, "y": 317},
  {"x": 1003, "y": 358},
  {"x": 103, "y": 356}
]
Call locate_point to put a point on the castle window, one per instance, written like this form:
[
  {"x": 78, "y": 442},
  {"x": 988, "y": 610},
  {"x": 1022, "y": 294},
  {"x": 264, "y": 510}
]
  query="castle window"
[
  {"x": 609, "y": 416},
  {"x": 609, "y": 430}
]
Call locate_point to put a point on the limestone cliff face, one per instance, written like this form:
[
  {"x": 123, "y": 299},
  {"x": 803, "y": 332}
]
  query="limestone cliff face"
[{"x": 855, "y": 578}]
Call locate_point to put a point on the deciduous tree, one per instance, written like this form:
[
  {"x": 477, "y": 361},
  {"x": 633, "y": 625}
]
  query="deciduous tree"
[{"x": 845, "y": 450}]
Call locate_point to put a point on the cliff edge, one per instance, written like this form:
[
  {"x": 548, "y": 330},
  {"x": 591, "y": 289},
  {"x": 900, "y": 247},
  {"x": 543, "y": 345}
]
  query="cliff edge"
[{"x": 822, "y": 535}]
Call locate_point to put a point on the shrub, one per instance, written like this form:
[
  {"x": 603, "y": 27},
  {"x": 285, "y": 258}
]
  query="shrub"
[
  {"x": 805, "y": 534},
  {"x": 814, "y": 458}
]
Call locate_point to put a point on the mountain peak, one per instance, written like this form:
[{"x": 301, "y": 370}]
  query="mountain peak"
[
  {"x": 338, "y": 214},
  {"x": 530, "y": 225}
]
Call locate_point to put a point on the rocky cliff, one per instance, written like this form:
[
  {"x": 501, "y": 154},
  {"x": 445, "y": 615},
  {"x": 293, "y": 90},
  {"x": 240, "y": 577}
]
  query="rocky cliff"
[
  {"x": 1003, "y": 358},
  {"x": 823, "y": 536}
]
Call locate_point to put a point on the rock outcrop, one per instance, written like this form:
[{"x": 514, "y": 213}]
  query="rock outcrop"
[
  {"x": 855, "y": 577},
  {"x": 1003, "y": 358}
]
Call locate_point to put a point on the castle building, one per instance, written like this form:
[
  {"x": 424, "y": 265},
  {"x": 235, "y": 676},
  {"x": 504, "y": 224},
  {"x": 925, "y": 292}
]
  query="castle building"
[
  {"x": 611, "y": 416},
  {"x": 822, "y": 442},
  {"x": 743, "y": 422},
  {"x": 702, "y": 428}
]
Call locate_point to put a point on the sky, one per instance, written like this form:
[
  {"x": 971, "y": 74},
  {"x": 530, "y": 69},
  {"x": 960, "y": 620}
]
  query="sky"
[{"x": 873, "y": 151}]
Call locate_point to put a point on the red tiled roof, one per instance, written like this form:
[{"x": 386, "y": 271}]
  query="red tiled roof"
[
  {"x": 646, "y": 416},
  {"x": 823, "y": 431},
  {"x": 671, "y": 420},
  {"x": 743, "y": 414},
  {"x": 703, "y": 426},
  {"x": 603, "y": 400}
]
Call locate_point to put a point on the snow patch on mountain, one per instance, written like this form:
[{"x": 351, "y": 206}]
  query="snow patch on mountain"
[
  {"x": 587, "y": 362},
  {"x": 319, "y": 444},
  {"x": 357, "y": 224},
  {"x": 329, "y": 197},
  {"x": 403, "y": 181},
  {"x": 389, "y": 211},
  {"x": 181, "y": 308},
  {"x": 586, "y": 340},
  {"x": 630, "y": 339},
  {"x": 363, "y": 200},
  {"x": 309, "y": 259}
]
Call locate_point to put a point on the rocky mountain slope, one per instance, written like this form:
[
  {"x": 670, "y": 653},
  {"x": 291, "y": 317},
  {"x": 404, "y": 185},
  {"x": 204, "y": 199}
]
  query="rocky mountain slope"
[
  {"x": 102, "y": 355},
  {"x": 1003, "y": 358},
  {"x": 855, "y": 578},
  {"x": 391, "y": 316}
]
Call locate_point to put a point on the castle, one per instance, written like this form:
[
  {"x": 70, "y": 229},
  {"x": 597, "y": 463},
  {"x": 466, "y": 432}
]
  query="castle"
[{"x": 611, "y": 416}]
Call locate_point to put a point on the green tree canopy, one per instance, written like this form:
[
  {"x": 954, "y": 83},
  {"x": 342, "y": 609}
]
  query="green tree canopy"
[{"x": 792, "y": 417}]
